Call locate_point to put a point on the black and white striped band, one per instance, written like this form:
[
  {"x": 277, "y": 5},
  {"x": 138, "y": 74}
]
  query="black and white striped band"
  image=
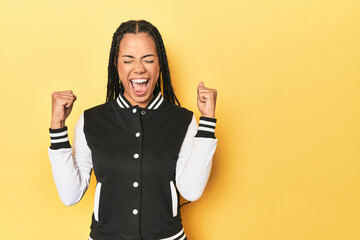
[
  {"x": 59, "y": 138},
  {"x": 206, "y": 127},
  {"x": 154, "y": 103},
  {"x": 179, "y": 236}
]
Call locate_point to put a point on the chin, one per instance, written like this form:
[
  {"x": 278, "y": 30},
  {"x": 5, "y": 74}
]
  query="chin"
[{"x": 142, "y": 99}]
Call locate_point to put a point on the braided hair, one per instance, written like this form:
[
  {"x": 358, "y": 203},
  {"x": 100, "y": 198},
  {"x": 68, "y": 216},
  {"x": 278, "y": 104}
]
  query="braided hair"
[{"x": 114, "y": 86}]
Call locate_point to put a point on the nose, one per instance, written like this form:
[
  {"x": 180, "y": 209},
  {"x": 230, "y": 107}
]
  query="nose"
[{"x": 139, "y": 67}]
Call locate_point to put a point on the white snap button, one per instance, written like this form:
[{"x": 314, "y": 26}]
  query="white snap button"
[
  {"x": 136, "y": 155},
  {"x": 143, "y": 112},
  {"x": 134, "y": 110},
  {"x": 135, "y": 211},
  {"x": 135, "y": 184},
  {"x": 137, "y": 134}
]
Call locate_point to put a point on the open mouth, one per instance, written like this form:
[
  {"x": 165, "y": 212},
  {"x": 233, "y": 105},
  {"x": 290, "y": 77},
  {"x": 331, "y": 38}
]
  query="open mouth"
[{"x": 140, "y": 85}]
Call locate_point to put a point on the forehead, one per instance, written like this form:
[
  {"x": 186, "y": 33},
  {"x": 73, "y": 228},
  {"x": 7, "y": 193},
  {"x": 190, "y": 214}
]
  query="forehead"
[{"x": 137, "y": 45}]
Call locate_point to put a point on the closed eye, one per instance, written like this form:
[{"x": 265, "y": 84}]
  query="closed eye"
[{"x": 149, "y": 61}]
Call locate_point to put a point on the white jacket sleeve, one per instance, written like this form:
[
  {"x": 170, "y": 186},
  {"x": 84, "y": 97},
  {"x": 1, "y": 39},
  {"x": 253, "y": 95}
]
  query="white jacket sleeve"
[
  {"x": 195, "y": 158},
  {"x": 71, "y": 168}
]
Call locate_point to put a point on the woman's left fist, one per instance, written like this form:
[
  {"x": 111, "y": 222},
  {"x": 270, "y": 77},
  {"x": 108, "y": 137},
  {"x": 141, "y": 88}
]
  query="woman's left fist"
[{"x": 206, "y": 100}]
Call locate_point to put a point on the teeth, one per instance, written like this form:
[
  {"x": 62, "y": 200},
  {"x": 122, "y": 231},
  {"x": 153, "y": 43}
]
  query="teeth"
[{"x": 139, "y": 80}]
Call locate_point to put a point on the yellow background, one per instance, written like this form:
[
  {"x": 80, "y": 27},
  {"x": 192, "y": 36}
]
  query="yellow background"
[{"x": 287, "y": 164}]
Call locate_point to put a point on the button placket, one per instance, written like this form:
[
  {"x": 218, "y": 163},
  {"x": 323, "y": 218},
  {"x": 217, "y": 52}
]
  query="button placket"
[
  {"x": 135, "y": 183},
  {"x": 137, "y": 156}
]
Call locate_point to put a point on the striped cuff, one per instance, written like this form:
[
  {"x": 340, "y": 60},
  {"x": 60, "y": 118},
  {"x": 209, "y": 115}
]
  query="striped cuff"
[
  {"x": 59, "y": 138},
  {"x": 206, "y": 127}
]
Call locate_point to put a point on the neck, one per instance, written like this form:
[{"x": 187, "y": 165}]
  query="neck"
[{"x": 143, "y": 104}]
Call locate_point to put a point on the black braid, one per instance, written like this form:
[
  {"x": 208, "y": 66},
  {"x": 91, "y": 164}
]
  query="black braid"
[{"x": 114, "y": 86}]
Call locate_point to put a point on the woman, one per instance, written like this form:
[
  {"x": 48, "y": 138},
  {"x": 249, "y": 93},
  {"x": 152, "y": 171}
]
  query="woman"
[{"x": 143, "y": 148}]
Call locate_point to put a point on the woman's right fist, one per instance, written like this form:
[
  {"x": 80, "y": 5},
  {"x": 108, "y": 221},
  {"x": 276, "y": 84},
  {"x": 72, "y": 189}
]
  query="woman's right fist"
[{"x": 62, "y": 103}]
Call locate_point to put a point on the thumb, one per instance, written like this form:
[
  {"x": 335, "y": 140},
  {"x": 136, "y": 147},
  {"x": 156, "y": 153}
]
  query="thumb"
[
  {"x": 69, "y": 104},
  {"x": 201, "y": 84}
]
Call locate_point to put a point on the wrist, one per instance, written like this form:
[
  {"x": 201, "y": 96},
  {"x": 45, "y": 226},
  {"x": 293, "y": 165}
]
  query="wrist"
[
  {"x": 208, "y": 115},
  {"x": 57, "y": 124}
]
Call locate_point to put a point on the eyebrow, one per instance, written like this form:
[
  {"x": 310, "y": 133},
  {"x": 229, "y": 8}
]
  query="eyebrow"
[{"x": 148, "y": 55}]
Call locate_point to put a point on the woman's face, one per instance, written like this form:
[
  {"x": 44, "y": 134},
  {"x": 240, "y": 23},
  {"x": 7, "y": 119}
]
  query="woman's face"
[{"x": 138, "y": 67}]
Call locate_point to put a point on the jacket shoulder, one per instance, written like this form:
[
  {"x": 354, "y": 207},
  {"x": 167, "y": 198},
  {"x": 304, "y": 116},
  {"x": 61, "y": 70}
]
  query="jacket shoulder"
[
  {"x": 99, "y": 108},
  {"x": 172, "y": 107}
]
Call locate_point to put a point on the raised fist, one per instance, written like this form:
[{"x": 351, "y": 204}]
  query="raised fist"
[
  {"x": 62, "y": 103},
  {"x": 206, "y": 100}
]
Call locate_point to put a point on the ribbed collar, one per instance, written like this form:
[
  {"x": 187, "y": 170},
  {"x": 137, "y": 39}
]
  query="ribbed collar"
[{"x": 153, "y": 104}]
